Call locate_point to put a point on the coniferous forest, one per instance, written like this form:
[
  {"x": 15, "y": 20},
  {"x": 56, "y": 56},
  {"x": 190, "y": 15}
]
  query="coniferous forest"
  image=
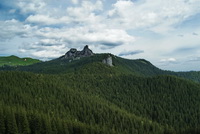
[{"x": 86, "y": 96}]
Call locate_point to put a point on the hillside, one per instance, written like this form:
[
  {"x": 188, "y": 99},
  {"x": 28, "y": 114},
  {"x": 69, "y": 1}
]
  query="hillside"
[
  {"x": 99, "y": 103},
  {"x": 56, "y": 98},
  {"x": 98, "y": 94},
  {"x": 138, "y": 67},
  {"x": 16, "y": 61}
]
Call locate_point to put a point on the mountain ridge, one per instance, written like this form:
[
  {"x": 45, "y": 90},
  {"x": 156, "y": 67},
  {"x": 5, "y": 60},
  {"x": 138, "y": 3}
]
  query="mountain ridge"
[
  {"x": 86, "y": 95},
  {"x": 118, "y": 65}
]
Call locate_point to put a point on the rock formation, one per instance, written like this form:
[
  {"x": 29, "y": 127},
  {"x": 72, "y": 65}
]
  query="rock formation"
[
  {"x": 74, "y": 54},
  {"x": 108, "y": 61}
]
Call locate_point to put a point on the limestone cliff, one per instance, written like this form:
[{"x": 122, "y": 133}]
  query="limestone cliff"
[
  {"x": 73, "y": 53},
  {"x": 108, "y": 61}
]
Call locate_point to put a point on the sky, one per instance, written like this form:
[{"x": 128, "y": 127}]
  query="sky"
[{"x": 164, "y": 32}]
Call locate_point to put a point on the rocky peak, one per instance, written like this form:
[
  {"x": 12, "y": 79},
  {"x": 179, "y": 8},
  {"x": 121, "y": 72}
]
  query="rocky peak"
[
  {"x": 85, "y": 47},
  {"x": 73, "y": 53},
  {"x": 86, "y": 51},
  {"x": 73, "y": 50}
]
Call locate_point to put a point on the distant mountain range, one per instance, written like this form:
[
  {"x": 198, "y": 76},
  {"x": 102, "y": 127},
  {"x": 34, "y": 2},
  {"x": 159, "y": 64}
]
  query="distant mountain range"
[{"x": 86, "y": 93}]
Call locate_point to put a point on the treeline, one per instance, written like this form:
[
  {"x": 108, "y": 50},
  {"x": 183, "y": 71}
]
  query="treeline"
[{"x": 192, "y": 75}]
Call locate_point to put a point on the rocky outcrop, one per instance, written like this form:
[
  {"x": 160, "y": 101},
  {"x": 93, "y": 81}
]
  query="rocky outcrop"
[
  {"x": 74, "y": 54},
  {"x": 108, "y": 61}
]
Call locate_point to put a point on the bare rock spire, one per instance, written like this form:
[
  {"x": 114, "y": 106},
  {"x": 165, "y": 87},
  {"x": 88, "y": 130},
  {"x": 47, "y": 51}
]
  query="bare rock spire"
[{"x": 73, "y": 53}]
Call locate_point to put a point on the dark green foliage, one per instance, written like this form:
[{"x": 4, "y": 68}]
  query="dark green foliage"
[
  {"x": 2, "y": 122},
  {"x": 10, "y": 122},
  {"x": 192, "y": 75},
  {"x": 86, "y": 96},
  {"x": 93, "y": 103},
  {"x": 22, "y": 122},
  {"x": 48, "y": 101}
]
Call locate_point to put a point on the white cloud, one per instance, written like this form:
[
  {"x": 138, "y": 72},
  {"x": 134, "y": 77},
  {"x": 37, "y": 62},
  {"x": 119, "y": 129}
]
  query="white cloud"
[
  {"x": 12, "y": 28},
  {"x": 83, "y": 14},
  {"x": 78, "y": 37},
  {"x": 43, "y": 49},
  {"x": 172, "y": 60},
  {"x": 47, "y": 20},
  {"x": 75, "y": 1},
  {"x": 49, "y": 52},
  {"x": 159, "y": 15},
  {"x": 31, "y": 6}
]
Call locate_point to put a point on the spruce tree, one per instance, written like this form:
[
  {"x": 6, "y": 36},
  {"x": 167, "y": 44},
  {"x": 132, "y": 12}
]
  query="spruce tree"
[
  {"x": 2, "y": 122},
  {"x": 11, "y": 125}
]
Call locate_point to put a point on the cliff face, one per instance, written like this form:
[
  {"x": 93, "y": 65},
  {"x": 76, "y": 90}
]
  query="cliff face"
[
  {"x": 73, "y": 53},
  {"x": 108, "y": 61}
]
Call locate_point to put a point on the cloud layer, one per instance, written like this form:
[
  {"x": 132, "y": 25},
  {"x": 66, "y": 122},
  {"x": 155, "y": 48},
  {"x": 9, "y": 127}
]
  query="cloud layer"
[{"x": 47, "y": 29}]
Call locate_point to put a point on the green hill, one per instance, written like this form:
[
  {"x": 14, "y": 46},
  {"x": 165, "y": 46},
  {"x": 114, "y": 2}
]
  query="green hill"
[
  {"x": 121, "y": 66},
  {"x": 87, "y": 96},
  {"x": 16, "y": 61},
  {"x": 138, "y": 67}
]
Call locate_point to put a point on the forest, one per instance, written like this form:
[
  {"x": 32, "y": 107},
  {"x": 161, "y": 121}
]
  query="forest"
[{"x": 88, "y": 97}]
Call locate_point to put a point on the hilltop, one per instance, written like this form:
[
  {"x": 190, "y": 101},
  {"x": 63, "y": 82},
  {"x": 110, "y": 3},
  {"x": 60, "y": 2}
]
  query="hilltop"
[{"x": 16, "y": 61}]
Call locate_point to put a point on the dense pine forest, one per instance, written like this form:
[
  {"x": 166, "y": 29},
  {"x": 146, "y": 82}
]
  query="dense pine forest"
[{"x": 86, "y": 96}]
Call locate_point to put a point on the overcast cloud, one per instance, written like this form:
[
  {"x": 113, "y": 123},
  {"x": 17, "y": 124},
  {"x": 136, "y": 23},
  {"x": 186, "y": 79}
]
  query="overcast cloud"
[{"x": 164, "y": 32}]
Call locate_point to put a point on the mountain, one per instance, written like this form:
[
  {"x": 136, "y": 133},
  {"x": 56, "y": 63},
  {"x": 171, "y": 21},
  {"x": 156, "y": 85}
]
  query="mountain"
[
  {"x": 67, "y": 64},
  {"x": 16, "y": 61},
  {"x": 98, "y": 94}
]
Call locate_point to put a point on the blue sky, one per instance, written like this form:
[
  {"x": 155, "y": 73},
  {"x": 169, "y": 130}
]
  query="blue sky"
[{"x": 166, "y": 33}]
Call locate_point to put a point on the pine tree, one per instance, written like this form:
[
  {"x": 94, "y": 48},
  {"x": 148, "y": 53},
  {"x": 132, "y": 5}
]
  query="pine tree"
[
  {"x": 11, "y": 125},
  {"x": 35, "y": 123},
  {"x": 2, "y": 122},
  {"x": 46, "y": 125},
  {"x": 25, "y": 126}
]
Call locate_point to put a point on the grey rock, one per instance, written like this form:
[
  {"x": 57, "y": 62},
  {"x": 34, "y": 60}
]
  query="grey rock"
[
  {"x": 108, "y": 61},
  {"x": 74, "y": 54}
]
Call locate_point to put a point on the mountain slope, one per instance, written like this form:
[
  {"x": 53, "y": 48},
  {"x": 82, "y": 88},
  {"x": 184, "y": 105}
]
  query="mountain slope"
[
  {"x": 116, "y": 103},
  {"x": 138, "y": 67},
  {"x": 16, "y": 61},
  {"x": 50, "y": 97},
  {"x": 85, "y": 95}
]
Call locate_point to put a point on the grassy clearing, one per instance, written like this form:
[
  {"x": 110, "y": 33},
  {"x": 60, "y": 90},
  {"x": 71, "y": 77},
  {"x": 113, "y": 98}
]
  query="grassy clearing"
[{"x": 16, "y": 61}]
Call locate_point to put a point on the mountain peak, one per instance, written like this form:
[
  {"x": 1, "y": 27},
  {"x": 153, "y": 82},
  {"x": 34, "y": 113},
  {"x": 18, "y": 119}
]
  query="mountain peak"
[
  {"x": 85, "y": 47},
  {"x": 74, "y": 53}
]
